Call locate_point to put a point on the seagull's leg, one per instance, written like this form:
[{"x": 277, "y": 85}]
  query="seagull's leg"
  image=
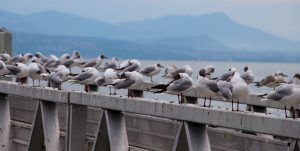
[
  {"x": 293, "y": 112},
  {"x": 237, "y": 105},
  {"x": 209, "y": 102},
  {"x": 232, "y": 105},
  {"x": 32, "y": 82},
  {"x": 151, "y": 79},
  {"x": 178, "y": 99},
  {"x": 204, "y": 105},
  {"x": 39, "y": 82},
  {"x": 182, "y": 98},
  {"x": 115, "y": 92},
  {"x": 109, "y": 90},
  {"x": 285, "y": 112}
]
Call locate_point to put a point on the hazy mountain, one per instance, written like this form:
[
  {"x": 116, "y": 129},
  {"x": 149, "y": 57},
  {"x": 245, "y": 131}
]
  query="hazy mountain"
[
  {"x": 217, "y": 26},
  {"x": 13, "y": 22},
  {"x": 171, "y": 37},
  {"x": 91, "y": 47}
]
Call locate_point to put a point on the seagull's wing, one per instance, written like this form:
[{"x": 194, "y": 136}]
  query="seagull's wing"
[
  {"x": 83, "y": 76},
  {"x": 212, "y": 85},
  {"x": 147, "y": 70},
  {"x": 123, "y": 84},
  {"x": 180, "y": 85},
  {"x": 13, "y": 69}
]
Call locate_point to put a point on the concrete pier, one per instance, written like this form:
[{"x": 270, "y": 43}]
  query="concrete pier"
[{"x": 44, "y": 118}]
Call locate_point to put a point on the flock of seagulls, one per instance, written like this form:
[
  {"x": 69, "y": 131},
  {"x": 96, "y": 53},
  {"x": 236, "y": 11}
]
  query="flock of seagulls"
[{"x": 129, "y": 74}]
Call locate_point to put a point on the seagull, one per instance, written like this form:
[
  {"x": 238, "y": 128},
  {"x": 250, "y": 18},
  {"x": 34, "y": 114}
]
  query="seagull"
[
  {"x": 35, "y": 71},
  {"x": 87, "y": 77},
  {"x": 94, "y": 62},
  {"x": 248, "y": 76},
  {"x": 128, "y": 80},
  {"x": 185, "y": 69},
  {"x": 272, "y": 81},
  {"x": 52, "y": 62},
  {"x": 239, "y": 89},
  {"x": 110, "y": 75},
  {"x": 19, "y": 71},
  {"x": 5, "y": 57},
  {"x": 22, "y": 58},
  {"x": 206, "y": 88},
  {"x": 41, "y": 58},
  {"x": 287, "y": 94},
  {"x": 228, "y": 75},
  {"x": 296, "y": 79},
  {"x": 225, "y": 89},
  {"x": 55, "y": 80},
  {"x": 113, "y": 64},
  {"x": 151, "y": 70},
  {"x": 170, "y": 71},
  {"x": 130, "y": 65},
  {"x": 76, "y": 55},
  {"x": 209, "y": 69},
  {"x": 182, "y": 83}
]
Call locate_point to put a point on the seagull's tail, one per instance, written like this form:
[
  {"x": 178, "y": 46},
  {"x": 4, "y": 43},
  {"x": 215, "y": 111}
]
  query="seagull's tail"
[
  {"x": 262, "y": 95},
  {"x": 257, "y": 84},
  {"x": 161, "y": 87}
]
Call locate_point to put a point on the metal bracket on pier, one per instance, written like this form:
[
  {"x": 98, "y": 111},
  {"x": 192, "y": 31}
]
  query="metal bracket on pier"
[
  {"x": 111, "y": 133},
  {"x": 45, "y": 132},
  {"x": 76, "y": 127},
  {"x": 5, "y": 124},
  {"x": 192, "y": 137},
  {"x": 254, "y": 108}
]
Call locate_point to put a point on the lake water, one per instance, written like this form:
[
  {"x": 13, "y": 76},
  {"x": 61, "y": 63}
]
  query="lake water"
[{"x": 260, "y": 70}]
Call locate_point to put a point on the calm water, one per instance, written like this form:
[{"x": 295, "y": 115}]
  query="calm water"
[{"x": 260, "y": 70}]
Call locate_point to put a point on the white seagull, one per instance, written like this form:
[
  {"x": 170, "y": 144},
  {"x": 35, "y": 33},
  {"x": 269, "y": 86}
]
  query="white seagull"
[
  {"x": 181, "y": 84},
  {"x": 151, "y": 70},
  {"x": 206, "y": 88},
  {"x": 87, "y": 77},
  {"x": 248, "y": 76},
  {"x": 239, "y": 89},
  {"x": 287, "y": 94}
]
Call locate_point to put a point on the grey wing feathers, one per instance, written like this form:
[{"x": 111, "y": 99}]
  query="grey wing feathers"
[
  {"x": 180, "y": 85},
  {"x": 13, "y": 69},
  {"x": 91, "y": 63},
  {"x": 100, "y": 80},
  {"x": 147, "y": 70},
  {"x": 225, "y": 76},
  {"x": 212, "y": 85},
  {"x": 83, "y": 76},
  {"x": 124, "y": 84}
]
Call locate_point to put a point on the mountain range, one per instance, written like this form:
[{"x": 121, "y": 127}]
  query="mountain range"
[{"x": 172, "y": 37}]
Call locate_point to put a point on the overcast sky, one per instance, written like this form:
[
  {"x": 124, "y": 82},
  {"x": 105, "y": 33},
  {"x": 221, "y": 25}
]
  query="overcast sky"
[{"x": 280, "y": 17}]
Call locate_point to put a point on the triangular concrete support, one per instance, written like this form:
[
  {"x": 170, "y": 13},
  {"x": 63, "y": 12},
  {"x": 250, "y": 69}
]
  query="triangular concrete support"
[
  {"x": 111, "y": 134},
  {"x": 295, "y": 145},
  {"x": 45, "y": 132},
  {"x": 192, "y": 137},
  {"x": 5, "y": 124},
  {"x": 76, "y": 127}
]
